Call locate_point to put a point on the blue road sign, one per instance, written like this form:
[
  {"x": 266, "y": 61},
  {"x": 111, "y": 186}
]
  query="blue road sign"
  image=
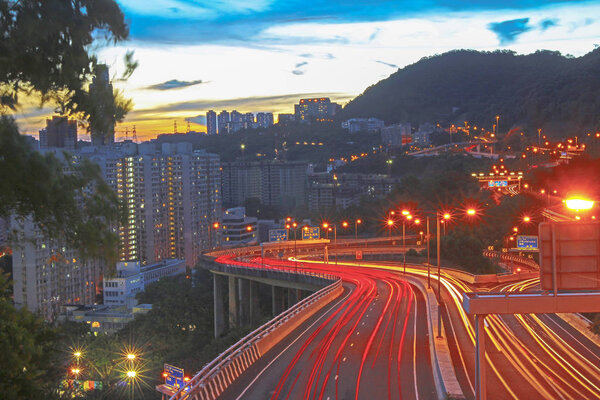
[
  {"x": 497, "y": 183},
  {"x": 525, "y": 242},
  {"x": 278, "y": 235},
  {"x": 310, "y": 233},
  {"x": 174, "y": 376}
]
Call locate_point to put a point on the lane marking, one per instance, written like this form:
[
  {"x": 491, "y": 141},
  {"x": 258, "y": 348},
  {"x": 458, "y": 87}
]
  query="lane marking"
[{"x": 290, "y": 345}]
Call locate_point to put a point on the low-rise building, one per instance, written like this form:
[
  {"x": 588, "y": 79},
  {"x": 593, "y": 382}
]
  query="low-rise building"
[
  {"x": 396, "y": 135},
  {"x": 238, "y": 229},
  {"x": 370, "y": 125},
  {"x": 102, "y": 318}
]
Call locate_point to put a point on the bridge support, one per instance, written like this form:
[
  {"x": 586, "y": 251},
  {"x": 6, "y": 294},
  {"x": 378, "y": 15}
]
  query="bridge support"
[
  {"x": 292, "y": 296},
  {"x": 219, "y": 304},
  {"x": 244, "y": 301},
  {"x": 233, "y": 307},
  {"x": 277, "y": 299},
  {"x": 254, "y": 308},
  {"x": 480, "y": 362}
]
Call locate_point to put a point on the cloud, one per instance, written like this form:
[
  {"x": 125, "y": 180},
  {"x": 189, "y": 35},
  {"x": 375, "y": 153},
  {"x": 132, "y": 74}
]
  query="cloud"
[
  {"x": 507, "y": 31},
  {"x": 548, "y": 23},
  {"x": 173, "y": 84},
  {"x": 243, "y": 104},
  {"x": 388, "y": 64},
  {"x": 198, "y": 119},
  {"x": 374, "y": 34},
  {"x": 298, "y": 69},
  {"x": 324, "y": 56}
]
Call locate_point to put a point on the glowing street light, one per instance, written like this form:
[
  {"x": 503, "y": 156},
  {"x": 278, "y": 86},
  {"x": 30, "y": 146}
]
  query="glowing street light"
[
  {"x": 77, "y": 354},
  {"x": 356, "y": 223},
  {"x": 131, "y": 374},
  {"x": 471, "y": 211},
  {"x": 131, "y": 356},
  {"x": 405, "y": 212},
  {"x": 526, "y": 219},
  {"x": 75, "y": 371},
  {"x": 578, "y": 204}
]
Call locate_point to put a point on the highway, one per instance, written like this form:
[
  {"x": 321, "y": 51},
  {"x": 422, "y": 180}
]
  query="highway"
[{"x": 371, "y": 343}]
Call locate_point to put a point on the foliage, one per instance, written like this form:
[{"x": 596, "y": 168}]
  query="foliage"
[
  {"x": 540, "y": 90},
  {"x": 27, "y": 352},
  {"x": 77, "y": 206}
]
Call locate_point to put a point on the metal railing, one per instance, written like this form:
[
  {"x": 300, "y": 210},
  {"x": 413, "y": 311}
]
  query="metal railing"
[{"x": 217, "y": 375}]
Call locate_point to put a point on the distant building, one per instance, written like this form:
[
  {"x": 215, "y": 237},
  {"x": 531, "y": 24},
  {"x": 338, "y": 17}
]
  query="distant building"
[
  {"x": 396, "y": 135},
  {"x": 248, "y": 121},
  {"x": 59, "y": 132},
  {"x": 101, "y": 88},
  {"x": 370, "y": 125},
  {"x": 264, "y": 120},
  {"x": 285, "y": 118},
  {"x": 102, "y": 318},
  {"x": 316, "y": 109},
  {"x": 422, "y": 137},
  {"x": 211, "y": 123},
  {"x": 132, "y": 278},
  {"x": 238, "y": 229},
  {"x": 326, "y": 190},
  {"x": 224, "y": 123},
  {"x": 277, "y": 183},
  {"x": 237, "y": 121}
]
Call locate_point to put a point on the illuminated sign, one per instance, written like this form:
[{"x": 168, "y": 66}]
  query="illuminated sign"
[
  {"x": 278, "y": 235},
  {"x": 497, "y": 183},
  {"x": 310, "y": 233},
  {"x": 527, "y": 242},
  {"x": 174, "y": 376}
]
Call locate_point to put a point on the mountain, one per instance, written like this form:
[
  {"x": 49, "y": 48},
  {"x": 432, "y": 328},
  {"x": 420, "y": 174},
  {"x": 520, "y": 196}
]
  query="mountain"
[{"x": 560, "y": 94}]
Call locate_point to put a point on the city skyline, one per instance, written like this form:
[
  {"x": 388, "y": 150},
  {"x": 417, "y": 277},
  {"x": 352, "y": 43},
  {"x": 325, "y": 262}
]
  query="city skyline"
[{"x": 263, "y": 56}]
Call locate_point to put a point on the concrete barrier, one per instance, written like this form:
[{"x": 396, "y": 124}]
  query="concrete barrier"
[{"x": 447, "y": 386}]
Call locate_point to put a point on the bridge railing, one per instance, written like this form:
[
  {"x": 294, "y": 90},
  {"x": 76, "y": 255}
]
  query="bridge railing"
[
  {"x": 506, "y": 257},
  {"x": 212, "y": 380}
]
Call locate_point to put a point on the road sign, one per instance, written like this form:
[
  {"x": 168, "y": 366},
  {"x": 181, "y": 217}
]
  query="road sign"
[
  {"x": 174, "y": 376},
  {"x": 359, "y": 255},
  {"x": 569, "y": 255},
  {"x": 310, "y": 233},
  {"x": 497, "y": 183},
  {"x": 526, "y": 242},
  {"x": 278, "y": 235}
]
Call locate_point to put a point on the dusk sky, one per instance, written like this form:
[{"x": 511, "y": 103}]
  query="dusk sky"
[{"x": 264, "y": 55}]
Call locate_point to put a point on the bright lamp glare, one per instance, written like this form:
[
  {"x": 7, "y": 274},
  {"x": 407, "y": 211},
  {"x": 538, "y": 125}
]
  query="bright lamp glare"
[
  {"x": 471, "y": 211},
  {"x": 390, "y": 222},
  {"x": 130, "y": 356},
  {"x": 579, "y": 204},
  {"x": 131, "y": 374}
]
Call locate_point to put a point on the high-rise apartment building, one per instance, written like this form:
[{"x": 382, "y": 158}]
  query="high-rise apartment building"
[
  {"x": 211, "y": 123},
  {"x": 264, "y": 120},
  {"x": 224, "y": 123},
  {"x": 237, "y": 121},
  {"x": 318, "y": 109},
  {"x": 101, "y": 88},
  {"x": 171, "y": 198},
  {"x": 240, "y": 180},
  {"x": 59, "y": 132},
  {"x": 249, "y": 121}
]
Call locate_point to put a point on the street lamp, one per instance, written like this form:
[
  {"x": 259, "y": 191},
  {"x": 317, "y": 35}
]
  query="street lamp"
[
  {"x": 579, "y": 204},
  {"x": 356, "y": 223}
]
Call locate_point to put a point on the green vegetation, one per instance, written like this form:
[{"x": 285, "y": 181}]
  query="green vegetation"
[{"x": 541, "y": 90}]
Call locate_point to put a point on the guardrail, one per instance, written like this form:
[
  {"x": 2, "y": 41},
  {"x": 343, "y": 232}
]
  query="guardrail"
[
  {"x": 527, "y": 262},
  {"x": 212, "y": 380}
]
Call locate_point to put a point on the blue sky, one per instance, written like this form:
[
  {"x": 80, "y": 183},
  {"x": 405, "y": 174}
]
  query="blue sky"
[{"x": 263, "y": 55}]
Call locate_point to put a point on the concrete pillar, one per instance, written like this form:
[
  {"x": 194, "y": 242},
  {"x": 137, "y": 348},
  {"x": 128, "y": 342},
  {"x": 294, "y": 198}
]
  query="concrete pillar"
[
  {"x": 219, "y": 304},
  {"x": 244, "y": 301},
  {"x": 480, "y": 362},
  {"x": 254, "y": 307},
  {"x": 292, "y": 297},
  {"x": 233, "y": 307},
  {"x": 277, "y": 300}
]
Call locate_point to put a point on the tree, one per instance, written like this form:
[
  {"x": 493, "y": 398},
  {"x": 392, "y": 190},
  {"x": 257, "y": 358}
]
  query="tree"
[
  {"x": 27, "y": 352},
  {"x": 45, "y": 52}
]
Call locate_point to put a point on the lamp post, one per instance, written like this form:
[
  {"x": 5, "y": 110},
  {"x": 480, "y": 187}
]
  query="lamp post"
[
  {"x": 356, "y": 223},
  {"x": 428, "y": 263}
]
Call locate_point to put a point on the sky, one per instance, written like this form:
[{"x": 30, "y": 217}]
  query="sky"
[{"x": 264, "y": 55}]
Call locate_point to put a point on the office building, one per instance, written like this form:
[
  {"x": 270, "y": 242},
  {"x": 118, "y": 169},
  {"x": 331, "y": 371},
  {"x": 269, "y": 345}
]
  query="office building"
[
  {"x": 240, "y": 181},
  {"x": 223, "y": 123},
  {"x": 101, "y": 88},
  {"x": 248, "y": 121},
  {"x": 238, "y": 229},
  {"x": 316, "y": 109},
  {"x": 59, "y": 132},
  {"x": 422, "y": 137},
  {"x": 211, "y": 123}
]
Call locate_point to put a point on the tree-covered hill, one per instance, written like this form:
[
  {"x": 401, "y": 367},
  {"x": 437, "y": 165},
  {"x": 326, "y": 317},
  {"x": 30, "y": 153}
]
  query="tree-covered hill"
[{"x": 541, "y": 90}]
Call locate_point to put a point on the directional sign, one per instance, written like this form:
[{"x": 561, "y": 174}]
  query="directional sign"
[
  {"x": 359, "y": 254},
  {"x": 310, "y": 233},
  {"x": 278, "y": 235},
  {"x": 525, "y": 242},
  {"x": 497, "y": 183},
  {"x": 174, "y": 376}
]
